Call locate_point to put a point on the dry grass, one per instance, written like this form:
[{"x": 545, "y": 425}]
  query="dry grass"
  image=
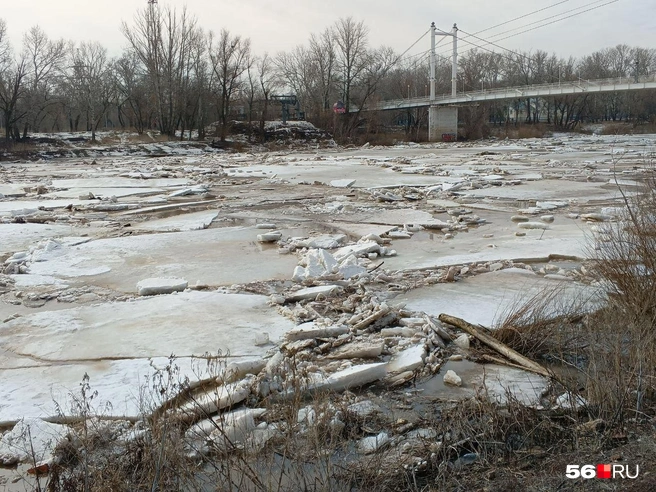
[
  {"x": 545, "y": 324},
  {"x": 622, "y": 351},
  {"x": 615, "y": 128},
  {"x": 157, "y": 454},
  {"x": 614, "y": 346},
  {"x": 386, "y": 139},
  {"x": 537, "y": 130},
  {"x": 19, "y": 149},
  {"x": 624, "y": 128}
]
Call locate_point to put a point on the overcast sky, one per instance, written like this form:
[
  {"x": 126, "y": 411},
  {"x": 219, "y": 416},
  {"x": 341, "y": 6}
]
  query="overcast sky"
[{"x": 275, "y": 26}]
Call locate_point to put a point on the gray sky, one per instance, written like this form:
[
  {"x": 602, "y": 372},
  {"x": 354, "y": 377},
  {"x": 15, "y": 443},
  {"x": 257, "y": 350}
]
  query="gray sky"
[{"x": 275, "y": 26}]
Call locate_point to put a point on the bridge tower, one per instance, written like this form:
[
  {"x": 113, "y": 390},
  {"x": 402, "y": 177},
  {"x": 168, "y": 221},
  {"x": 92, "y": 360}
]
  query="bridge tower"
[{"x": 443, "y": 120}]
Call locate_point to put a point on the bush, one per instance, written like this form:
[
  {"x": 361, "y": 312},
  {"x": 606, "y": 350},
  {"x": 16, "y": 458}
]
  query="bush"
[{"x": 621, "y": 372}]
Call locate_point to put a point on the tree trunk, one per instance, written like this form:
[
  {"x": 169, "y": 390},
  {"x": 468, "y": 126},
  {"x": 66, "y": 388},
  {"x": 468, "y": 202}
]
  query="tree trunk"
[
  {"x": 495, "y": 344},
  {"x": 7, "y": 128},
  {"x": 263, "y": 117}
]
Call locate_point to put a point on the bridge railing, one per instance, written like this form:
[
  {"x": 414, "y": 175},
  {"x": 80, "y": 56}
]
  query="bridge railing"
[
  {"x": 579, "y": 83},
  {"x": 623, "y": 80},
  {"x": 554, "y": 85},
  {"x": 517, "y": 91}
]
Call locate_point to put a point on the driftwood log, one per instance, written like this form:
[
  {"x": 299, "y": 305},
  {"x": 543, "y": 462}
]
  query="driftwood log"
[
  {"x": 382, "y": 311},
  {"x": 495, "y": 344}
]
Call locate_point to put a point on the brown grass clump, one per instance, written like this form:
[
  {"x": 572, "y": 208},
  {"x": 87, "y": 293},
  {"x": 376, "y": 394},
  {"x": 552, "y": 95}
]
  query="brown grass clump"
[
  {"x": 622, "y": 336},
  {"x": 624, "y": 128},
  {"x": 523, "y": 130},
  {"x": 546, "y": 324}
]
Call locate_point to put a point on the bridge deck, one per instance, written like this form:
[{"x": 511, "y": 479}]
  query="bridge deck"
[{"x": 544, "y": 90}]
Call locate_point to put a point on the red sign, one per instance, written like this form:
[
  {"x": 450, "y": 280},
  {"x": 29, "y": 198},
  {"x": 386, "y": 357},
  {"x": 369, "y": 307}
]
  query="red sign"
[{"x": 339, "y": 107}]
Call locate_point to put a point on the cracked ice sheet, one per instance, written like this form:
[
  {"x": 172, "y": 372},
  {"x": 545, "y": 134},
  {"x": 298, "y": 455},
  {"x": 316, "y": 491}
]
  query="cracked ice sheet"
[
  {"x": 330, "y": 169},
  {"x": 485, "y": 299},
  {"x": 358, "y": 229},
  {"x": 6, "y": 208},
  {"x": 550, "y": 189},
  {"x": 398, "y": 217},
  {"x": 117, "y": 182},
  {"x": 183, "y": 222},
  {"x": 33, "y": 391},
  {"x": 565, "y": 237},
  {"x": 91, "y": 339},
  {"x": 13, "y": 190},
  {"x": 221, "y": 256},
  {"x": 18, "y": 237},
  {"x": 497, "y": 381},
  {"x": 37, "y": 280},
  {"x": 188, "y": 323},
  {"x": 105, "y": 192}
]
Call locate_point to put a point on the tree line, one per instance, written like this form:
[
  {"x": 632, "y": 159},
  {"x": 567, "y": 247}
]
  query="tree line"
[{"x": 181, "y": 80}]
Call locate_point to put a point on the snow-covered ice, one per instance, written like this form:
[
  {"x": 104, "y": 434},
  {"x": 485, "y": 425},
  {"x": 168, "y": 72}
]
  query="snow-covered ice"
[{"x": 113, "y": 342}]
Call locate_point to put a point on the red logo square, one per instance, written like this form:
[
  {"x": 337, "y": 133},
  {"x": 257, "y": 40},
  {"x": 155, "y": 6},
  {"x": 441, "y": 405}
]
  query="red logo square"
[{"x": 603, "y": 471}]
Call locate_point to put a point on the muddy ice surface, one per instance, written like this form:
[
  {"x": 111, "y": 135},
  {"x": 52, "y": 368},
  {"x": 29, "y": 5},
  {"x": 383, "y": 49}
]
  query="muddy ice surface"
[{"x": 342, "y": 258}]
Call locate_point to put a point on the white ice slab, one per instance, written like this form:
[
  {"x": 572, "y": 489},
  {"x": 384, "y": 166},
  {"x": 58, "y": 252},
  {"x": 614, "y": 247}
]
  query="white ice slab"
[
  {"x": 157, "y": 286},
  {"x": 115, "y": 182},
  {"x": 104, "y": 192},
  {"x": 18, "y": 237},
  {"x": 37, "y": 280},
  {"x": 486, "y": 298},
  {"x": 352, "y": 377},
  {"x": 399, "y": 217},
  {"x": 212, "y": 256},
  {"x": 407, "y": 360},
  {"x": 311, "y": 330},
  {"x": 312, "y": 292},
  {"x": 13, "y": 190},
  {"x": 183, "y": 222},
  {"x": 32, "y": 439},
  {"x": 6, "y": 208},
  {"x": 188, "y": 323},
  {"x": 342, "y": 183},
  {"x": 112, "y": 342}
]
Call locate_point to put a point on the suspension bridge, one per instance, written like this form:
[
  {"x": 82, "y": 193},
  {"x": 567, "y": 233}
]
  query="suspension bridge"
[{"x": 443, "y": 109}]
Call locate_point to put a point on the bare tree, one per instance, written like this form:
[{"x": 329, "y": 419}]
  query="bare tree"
[
  {"x": 93, "y": 80},
  {"x": 5, "y": 48},
  {"x": 351, "y": 39},
  {"x": 230, "y": 58},
  {"x": 251, "y": 91},
  {"x": 132, "y": 87},
  {"x": 191, "y": 72},
  {"x": 268, "y": 83},
  {"x": 13, "y": 74},
  {"x": 295, "y": 69},
  {"x": 376, "y": 66},
  {"x": 46, "y": 59},
  {"x": 323, "y": 57},
  {"x": 200, "y": 90},
  {"x": 163, "y": 40}
]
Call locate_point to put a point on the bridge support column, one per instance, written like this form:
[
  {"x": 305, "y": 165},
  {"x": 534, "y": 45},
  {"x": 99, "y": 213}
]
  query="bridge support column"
[{"x": 442, "y": 120}]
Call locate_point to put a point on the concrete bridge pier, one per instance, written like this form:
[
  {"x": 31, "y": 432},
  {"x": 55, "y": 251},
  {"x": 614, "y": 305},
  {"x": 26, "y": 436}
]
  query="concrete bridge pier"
[{"x": 442, "y": 123}]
